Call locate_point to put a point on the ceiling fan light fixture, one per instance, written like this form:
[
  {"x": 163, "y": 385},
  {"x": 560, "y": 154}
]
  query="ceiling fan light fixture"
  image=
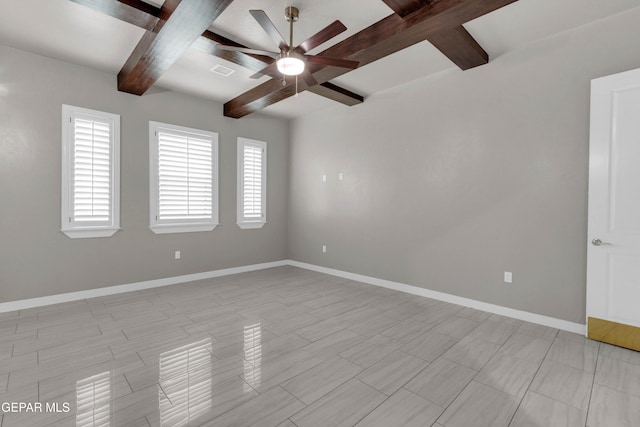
[{"x": 290, "y": 65}]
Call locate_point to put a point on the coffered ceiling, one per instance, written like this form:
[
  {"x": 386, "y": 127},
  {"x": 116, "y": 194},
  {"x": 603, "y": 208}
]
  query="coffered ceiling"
[{"x": 396, "y": 42}]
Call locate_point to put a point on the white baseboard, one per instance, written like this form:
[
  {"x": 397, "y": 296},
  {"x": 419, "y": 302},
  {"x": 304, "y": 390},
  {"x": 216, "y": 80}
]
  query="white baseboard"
[
  {"x": 415, "y": 290},
  {"x": 119, "y": 289},
  {"x": 453, "y": 299}
]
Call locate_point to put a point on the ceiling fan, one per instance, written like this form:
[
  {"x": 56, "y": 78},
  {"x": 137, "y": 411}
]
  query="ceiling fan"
[{"x": 291, "y": 61}]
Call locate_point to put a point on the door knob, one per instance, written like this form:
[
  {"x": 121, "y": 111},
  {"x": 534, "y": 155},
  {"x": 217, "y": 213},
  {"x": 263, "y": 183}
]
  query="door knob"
[{"x": 598, "y": 242}]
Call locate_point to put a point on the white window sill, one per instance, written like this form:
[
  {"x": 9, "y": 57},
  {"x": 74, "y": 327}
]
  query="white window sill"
[
  {"x": 181, "y": 228},
  {"x": 247, "y": 225},
  {"x": 88, "y": 232}
]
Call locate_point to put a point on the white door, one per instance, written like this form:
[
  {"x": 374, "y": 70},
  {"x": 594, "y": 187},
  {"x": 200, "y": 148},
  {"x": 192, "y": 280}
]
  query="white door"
[{"x": 613, "y": 256}]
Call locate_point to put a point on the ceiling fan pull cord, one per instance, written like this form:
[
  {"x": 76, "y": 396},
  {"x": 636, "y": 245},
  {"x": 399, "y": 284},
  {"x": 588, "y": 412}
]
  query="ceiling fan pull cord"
[{"x": 296, "y": 95}]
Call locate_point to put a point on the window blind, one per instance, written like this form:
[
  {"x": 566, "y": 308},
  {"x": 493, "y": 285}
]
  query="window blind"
[
  {"x": 184, "y": 176},
  {"x": 252, "y": 177},
  {"x": 90, "y": 190},
  {"x": 91, "y": 170},
  {"x": 252, "y": 182}
]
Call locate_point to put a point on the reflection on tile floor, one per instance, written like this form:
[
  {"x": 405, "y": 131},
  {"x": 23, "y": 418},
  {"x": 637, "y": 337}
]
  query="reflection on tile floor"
[{"x": 290, "y": 347}]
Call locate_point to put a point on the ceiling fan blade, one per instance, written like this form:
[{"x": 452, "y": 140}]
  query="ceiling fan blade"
[
  {"x": 334, "y": 62},
  {"x": 269, "y": 28},
  {"x": 308, "y": 78},
  {"x": 247, "y": 50},
  {"x": 270, "y": 70},
  {"x": 327, "y": 33}
]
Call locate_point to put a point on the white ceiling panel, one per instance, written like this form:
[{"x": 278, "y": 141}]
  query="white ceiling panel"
[
  {"x": 414, "y": 62},
  {"x": 67, "y": 31}
]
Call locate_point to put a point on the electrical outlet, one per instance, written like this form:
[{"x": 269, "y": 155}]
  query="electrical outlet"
[
  {"x": 324, "y": 178},
  {"x": 340, "y": 176},
  {"x": 177, "y": 255},
  {"x": 324, "y": 249},
  {"x": 508, "y": 277}
]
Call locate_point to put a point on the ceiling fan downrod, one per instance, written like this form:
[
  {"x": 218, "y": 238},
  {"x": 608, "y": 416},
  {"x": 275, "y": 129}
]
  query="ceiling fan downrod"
[{"x": 291, "y": 14}]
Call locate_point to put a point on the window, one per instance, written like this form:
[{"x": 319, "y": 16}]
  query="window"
[
  {"x": 183, "y": 180},
  {"x": 90, "y": 173},
  {"x": 252, "y": 183}
]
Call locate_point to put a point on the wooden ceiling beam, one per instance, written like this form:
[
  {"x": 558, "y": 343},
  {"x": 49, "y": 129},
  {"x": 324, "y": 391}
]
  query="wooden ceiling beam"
[
  {"x": 456, "y": 44},
  {"x": 381, "y": 39},
  {"x": 180, "y": 24},
  {"x": 407, "y": 7},
  {"x": 337, "y": 93},
  {"x": 460, "y": 47},
  {"x": 144, "y": 15}
]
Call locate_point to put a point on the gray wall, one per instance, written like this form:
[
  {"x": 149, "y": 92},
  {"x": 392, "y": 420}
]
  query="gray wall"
[
  {"x": 452, "y": 180},
  {"x": 36, "y": 259}
]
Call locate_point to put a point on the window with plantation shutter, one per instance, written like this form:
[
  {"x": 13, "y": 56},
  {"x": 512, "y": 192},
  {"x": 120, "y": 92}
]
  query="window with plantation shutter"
[
  {"x": 90, "y": 172},
  {"x": 252, "y": 173},
  {"x": 184, "y": 179}
]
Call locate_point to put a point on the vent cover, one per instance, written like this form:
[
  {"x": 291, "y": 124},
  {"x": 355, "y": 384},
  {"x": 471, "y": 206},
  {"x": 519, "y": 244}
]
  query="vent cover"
[{"x": 222, "y": 70}]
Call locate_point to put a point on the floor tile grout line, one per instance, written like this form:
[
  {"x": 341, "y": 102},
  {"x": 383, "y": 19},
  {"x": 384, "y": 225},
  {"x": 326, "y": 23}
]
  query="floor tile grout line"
[
  {"x": 502, "y": 391},
  {"x": 593, "y": 382},
  {"x": 429, "y": 364},
  {"x": 164, "y": 392},
  {"x": 259, "y": 394},
  {"x": 315, "y": 366},
  {"x": 377, "y": 406},
  {"x": 531, "y": 382},
  {"x": 454, "y": 399},
  {"x": 570, "y": 366},
  {"x": 556, "y": 400}
]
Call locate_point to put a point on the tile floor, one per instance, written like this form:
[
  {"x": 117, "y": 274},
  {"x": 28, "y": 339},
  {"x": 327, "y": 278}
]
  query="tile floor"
[{"x": 288, "y": 347}]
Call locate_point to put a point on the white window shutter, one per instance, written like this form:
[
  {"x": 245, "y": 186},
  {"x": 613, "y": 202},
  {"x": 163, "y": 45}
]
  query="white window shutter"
[
  {"x": 184, "y": 174},
  {"x": 251, "y": 183},
  {"x": 183, "y": 179},
  {"x": 90, "y": 172}
]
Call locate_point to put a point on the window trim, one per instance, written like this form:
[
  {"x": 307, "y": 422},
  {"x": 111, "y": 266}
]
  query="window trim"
[
  {"x": 242, "y": 222},
  {"x": 67, "y": 225},
  {"x": 187, "y": 226}
]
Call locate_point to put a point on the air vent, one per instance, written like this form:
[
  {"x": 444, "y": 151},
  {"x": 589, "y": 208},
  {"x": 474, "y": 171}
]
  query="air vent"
[{"x": 222, "y": 70}]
